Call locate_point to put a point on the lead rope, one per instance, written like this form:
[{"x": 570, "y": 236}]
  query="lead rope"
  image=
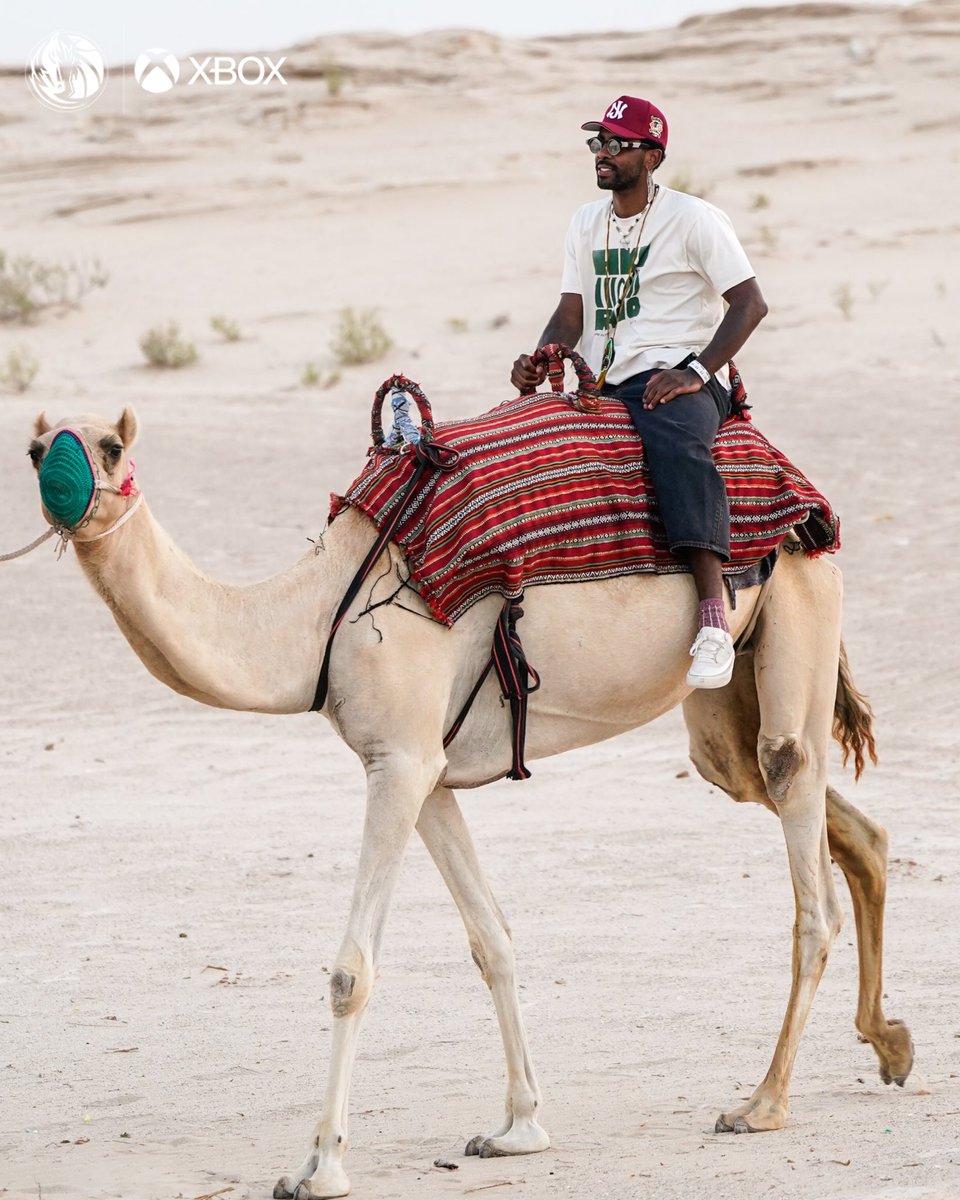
[
  {"x": 66, "y": 537},
  {"x": 26, "y": 549}
]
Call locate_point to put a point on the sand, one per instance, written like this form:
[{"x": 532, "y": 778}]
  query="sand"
[{"x": 176, "y": 879}]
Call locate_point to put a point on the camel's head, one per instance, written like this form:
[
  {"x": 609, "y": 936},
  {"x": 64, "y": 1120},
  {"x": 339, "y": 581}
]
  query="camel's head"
[{"x": 85, "y": 473}]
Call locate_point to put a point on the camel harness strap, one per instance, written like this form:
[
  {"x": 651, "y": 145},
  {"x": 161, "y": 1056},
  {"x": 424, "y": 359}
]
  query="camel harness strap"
[{"x": 517, "y": 678}]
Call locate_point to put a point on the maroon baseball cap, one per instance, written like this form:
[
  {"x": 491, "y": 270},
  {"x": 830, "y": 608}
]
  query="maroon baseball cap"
[{"x": 635, "y": 119}]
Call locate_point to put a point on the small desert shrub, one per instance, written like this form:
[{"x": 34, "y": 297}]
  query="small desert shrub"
[
  {"x": 457, "y": 324},
  {"x": 499, "y": 321},
  {"x": 163, "y": 346},
  {"x": 359, "y": 338},
  {"x": 19, "y": 369},
  {"x": 760, "y": 200},
  {"x": 843, "y": 299},
  {"x": 311, "y": 376},
  {"x": 28, "y": 286},
  {"x": 769, "y": 238},
  {"x": 228, "y": 329},
  {"x": 334, "y": 76}
]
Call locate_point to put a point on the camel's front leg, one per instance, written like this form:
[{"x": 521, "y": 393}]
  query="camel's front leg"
[
  {"x": 445, "y": 834},
  {"x": 796, "y": 670},
  {"x": 816, "y": 926},
  {"x": 395, "y": 791}
]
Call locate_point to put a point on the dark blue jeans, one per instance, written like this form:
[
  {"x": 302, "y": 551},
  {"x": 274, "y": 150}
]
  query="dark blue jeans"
[{"x": 677, "y": 437}]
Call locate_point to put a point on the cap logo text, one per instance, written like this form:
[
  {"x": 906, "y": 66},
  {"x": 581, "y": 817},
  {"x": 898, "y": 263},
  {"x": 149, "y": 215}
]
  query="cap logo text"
[{"x": 616, "y": 110}]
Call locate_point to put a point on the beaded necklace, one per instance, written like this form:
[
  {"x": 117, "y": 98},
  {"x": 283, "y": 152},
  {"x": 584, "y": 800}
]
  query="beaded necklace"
[{"x": 609, "y": 348}]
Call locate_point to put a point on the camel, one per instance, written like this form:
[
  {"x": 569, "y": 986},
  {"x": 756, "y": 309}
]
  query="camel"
[{"x": 762, "y": 739}]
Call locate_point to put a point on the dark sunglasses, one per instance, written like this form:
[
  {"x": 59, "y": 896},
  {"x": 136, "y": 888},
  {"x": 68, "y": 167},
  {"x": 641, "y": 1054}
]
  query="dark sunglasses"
[{"x": 613, "y": 145}]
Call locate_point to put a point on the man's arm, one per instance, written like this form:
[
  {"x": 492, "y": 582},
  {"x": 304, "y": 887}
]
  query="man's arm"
[
  {"x": 747, "y": 308},
  {"x": 565, "y": 325}
]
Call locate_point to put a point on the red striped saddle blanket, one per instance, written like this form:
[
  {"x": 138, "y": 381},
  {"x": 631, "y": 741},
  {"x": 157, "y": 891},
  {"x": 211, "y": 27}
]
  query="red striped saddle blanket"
[{"x": 543, "y": 493}]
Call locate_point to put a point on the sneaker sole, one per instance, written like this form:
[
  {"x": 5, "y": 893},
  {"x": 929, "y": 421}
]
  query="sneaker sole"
[{"x": 705, "y": 681}]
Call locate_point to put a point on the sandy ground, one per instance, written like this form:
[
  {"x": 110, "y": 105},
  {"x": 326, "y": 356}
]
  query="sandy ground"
[{"x": 176, "y": 879}]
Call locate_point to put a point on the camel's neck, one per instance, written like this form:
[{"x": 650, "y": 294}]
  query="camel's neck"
[{"x": 255, "y": 648}]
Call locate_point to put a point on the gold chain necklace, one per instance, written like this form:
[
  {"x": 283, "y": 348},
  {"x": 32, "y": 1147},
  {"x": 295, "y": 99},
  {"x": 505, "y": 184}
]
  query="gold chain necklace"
[{"x": 609, "y": 347}]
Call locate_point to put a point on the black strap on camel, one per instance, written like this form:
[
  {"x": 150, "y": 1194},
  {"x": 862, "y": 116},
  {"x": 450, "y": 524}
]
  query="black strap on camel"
[
  {"x": 518, "y": 680},
  {"x": 430, "y": 455},
  {"x": 383, "y": 537}
]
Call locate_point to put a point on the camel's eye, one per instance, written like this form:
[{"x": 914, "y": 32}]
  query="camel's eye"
[
  {"x": 113, "y": 452},
  {"x": 35, "y": 454}
]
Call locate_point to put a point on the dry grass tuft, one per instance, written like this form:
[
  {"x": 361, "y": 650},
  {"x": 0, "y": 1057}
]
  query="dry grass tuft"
[
  {"x": 28, "y": 286},
  {"x": 19, "y": 369},
  {"x": 163, "y": 346},
  {"x": 359, "y": 338}
]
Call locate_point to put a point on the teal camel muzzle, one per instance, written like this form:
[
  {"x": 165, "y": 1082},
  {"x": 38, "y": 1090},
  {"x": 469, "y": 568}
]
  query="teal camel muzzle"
[{"x": 69, "y": 480}]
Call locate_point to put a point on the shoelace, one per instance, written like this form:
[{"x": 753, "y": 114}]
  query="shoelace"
[{"x": 707, "y": 647}]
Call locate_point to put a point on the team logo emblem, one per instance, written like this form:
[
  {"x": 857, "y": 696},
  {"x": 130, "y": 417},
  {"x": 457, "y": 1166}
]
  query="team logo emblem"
[
  {"x": 656, "y": 127},
  {"x": 616, "y": 110},
  {"x": 66, "y": 72}
]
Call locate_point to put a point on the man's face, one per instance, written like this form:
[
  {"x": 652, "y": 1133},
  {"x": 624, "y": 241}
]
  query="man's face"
[{"x": 617, "y": 174}]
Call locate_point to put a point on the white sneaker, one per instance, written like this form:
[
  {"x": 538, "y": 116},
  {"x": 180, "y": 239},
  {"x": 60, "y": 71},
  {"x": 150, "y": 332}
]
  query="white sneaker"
[{"x": 713, "y": 656}]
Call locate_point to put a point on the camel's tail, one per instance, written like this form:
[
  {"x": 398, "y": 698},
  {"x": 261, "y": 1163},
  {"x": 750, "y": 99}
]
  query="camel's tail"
[{"x": 853, "y": 719}]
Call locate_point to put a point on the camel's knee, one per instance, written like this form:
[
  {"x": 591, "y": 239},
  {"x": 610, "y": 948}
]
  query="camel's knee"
[
  {"x": 350, "y": 989},
  {"x": 815, "y": 937},
  {"x": 781, "y": 760},
  {"x": 493, "y": 954}
]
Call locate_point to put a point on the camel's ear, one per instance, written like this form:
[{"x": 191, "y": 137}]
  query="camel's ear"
[
  {"x": 41, "y": 425},
  {"x": 127, "y": 427}
]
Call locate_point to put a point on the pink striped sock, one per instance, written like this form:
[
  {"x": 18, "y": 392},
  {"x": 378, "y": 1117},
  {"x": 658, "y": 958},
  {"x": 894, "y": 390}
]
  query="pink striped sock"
[{"x": 711, "y": 615}]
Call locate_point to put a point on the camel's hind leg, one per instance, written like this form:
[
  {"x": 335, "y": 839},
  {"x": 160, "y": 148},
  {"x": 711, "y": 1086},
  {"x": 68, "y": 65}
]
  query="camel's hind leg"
[
  {"x": 445, "y": 834},
  {"x": 860, "y": 849},
  {"x": 724, "y": 726}
]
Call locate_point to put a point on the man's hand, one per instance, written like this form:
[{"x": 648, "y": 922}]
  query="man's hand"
[
  {"x": 525, "y": 377},
  {"x": 665, "y": 385}
]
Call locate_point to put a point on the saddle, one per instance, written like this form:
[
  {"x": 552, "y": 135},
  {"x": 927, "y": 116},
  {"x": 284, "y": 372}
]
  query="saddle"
[{"x": 551, "y": 488}]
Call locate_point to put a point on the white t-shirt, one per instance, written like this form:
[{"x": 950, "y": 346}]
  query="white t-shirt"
[{"x": 689, "y": 256}]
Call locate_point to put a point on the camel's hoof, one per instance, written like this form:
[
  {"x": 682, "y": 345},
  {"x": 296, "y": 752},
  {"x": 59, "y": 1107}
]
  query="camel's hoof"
[
  {"x": 484, "y": 1146},
  {"x": 894, "y": 1048},
  {"x": 305, "y": 1191},
  {"x": 740, "y": 1126},
  {"x": 722, "y": 1126},
  {"x": 523, "y": 1137},
  {"x": 280, "y": 1191}
]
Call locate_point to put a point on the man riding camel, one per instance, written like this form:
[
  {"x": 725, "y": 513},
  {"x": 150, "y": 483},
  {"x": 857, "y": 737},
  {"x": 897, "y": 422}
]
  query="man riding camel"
[{"x": 645, "y": 277}]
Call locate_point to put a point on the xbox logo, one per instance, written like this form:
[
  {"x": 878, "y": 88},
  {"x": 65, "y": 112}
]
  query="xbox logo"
[{"x": 156, "y": 70}]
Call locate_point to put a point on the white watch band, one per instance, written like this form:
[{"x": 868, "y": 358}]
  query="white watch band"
[{"x": 698, "y": 368}]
